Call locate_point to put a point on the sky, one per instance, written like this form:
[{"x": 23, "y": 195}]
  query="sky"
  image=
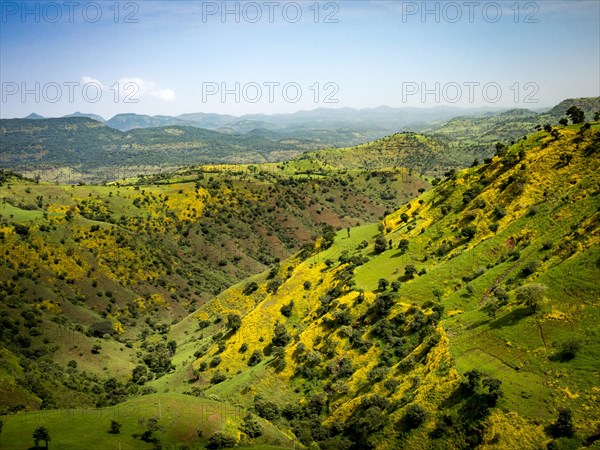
[{"x": 175, "y": 57}]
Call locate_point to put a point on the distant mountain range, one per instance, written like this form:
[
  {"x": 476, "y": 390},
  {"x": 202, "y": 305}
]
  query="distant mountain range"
[
  {"x": 90, "y": 144},
  {"x": 381, "y": 118}
]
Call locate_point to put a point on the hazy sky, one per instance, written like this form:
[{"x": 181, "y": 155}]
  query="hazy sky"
[{"x": 247, "y": 57}]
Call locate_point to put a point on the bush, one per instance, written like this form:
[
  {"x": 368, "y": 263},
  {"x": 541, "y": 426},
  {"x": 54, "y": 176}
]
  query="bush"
[
  {"x": 564, "y": 424},
  {"x": 234, "y": 321},
  {"x": 251, "y": 426},
  {"x": 250, "y": 288},
  {"x": 380, "y": 245},
  {"x": 570, "y": 349},
  {"x": 286, "y": 310},
  {"x": 383, "y": 284},
  {"x": 414, "y": 416},
  {"x": 499, "y": 212},
  {"x": 221, "y": 440},
  {"x": 217, "y": 378},
  {"x": 530, "y": 268},
  {"x": 410, "y": 270},
  {"x": 266, "y": 409},
  {"x": 403, "y": 245},
  {"x": 115, "y": 427},
  {"x": 255, "y": 358},
  {"x": 531, "y": 295}
]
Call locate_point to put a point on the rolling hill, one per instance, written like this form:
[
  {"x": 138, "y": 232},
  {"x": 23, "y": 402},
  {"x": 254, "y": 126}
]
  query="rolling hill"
[{"x": 465, "y": 318}]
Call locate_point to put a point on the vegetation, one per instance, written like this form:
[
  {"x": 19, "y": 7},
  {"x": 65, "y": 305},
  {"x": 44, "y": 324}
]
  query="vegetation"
[{"x": 453, "y": 339}]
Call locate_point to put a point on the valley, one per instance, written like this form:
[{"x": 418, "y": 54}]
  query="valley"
[{"x": 390, "y": 295}]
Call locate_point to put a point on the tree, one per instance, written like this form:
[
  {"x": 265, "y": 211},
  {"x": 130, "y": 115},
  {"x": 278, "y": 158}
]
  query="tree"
[
  {"x": 531, "y": 295},
  {"x": 468, "y": 232},
  {"x": 564, "y": 121},
  {"x": 404, "y": 217},
  {"x": 437, "y": 294},
  {"x": 570, "y": 349},
  {"x": 286, "y": 309},
  {"x": 597, "y": 116},
  {"x": 251, "y": 426},
  {"x": 255, "y": 358},
  {"x": 564, "y": 423},
  {"x": 383, "y": 284},
  {"x": 221, "y": 440},
  {"x": 234, "y": 321},
  {"x": 380, "y": 244},
  {"x": 403, "y": 245},
  {"x": 575, "y": 114},
  {"x": 41, "y": 434},
  {"x": 115, "y": 427},
  {"x": 410, "y": 270},
  {"x": 415, "y": 415}
]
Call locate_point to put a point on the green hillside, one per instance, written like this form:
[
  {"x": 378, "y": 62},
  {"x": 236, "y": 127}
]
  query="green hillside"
[
  {"x": 465, "y": 318},
  {"x": 505, "y": 260}
]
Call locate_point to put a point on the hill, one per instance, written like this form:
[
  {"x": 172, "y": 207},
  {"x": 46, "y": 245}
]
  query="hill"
[
  {"x": 127, "y": 260},
  {"x": 478, "y": 134},
  {"x": 465, "y": 318},
  {"x": 425, "y": 154},
  {"x": 80, "y": 149},
  {"x": 480, "y": 332}
]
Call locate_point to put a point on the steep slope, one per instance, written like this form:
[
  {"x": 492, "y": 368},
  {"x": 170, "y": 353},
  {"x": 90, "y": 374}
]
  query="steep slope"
[
  {"x": 80, "y": 263},
  {"x": 498, "y": 275}
]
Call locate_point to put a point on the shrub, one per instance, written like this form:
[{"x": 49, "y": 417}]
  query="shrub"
[
  {"x": 251, "y": 426},
  {"x": 403, "y": 245},
  {"x": 217, "y": 378},
  {"x": 234, "y": 321},
  {"x": 221, "y": 440},
  {"x": 468, "y": 232},
  {"x": 250, "y": 288},
  {"x": 499, "y": 212},
  {"x": 414, "y": 416},
  {"x": 255, "y": 358},
  {"x": 115, "y": 427},
  {"x": 564, "y": 424},
  {"x": 570, "y": 349},
  {"x": 286, "y": 310},
  {"x": 266, "y": 409},
  {"x": 383, "y": 284},
  {"x": 530, "y": 268},
  {"x": 380, "y": 244}
]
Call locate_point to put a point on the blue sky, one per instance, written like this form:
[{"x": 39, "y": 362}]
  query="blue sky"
[{"x": 179, "y": 56}]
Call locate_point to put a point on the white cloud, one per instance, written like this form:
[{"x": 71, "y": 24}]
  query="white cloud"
[
  {"x": 143, "y": 87},
  {"x": 90, "y": 80},
  {"x": 164, "y": 94},
  {"x": 134, "y": 88}
]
